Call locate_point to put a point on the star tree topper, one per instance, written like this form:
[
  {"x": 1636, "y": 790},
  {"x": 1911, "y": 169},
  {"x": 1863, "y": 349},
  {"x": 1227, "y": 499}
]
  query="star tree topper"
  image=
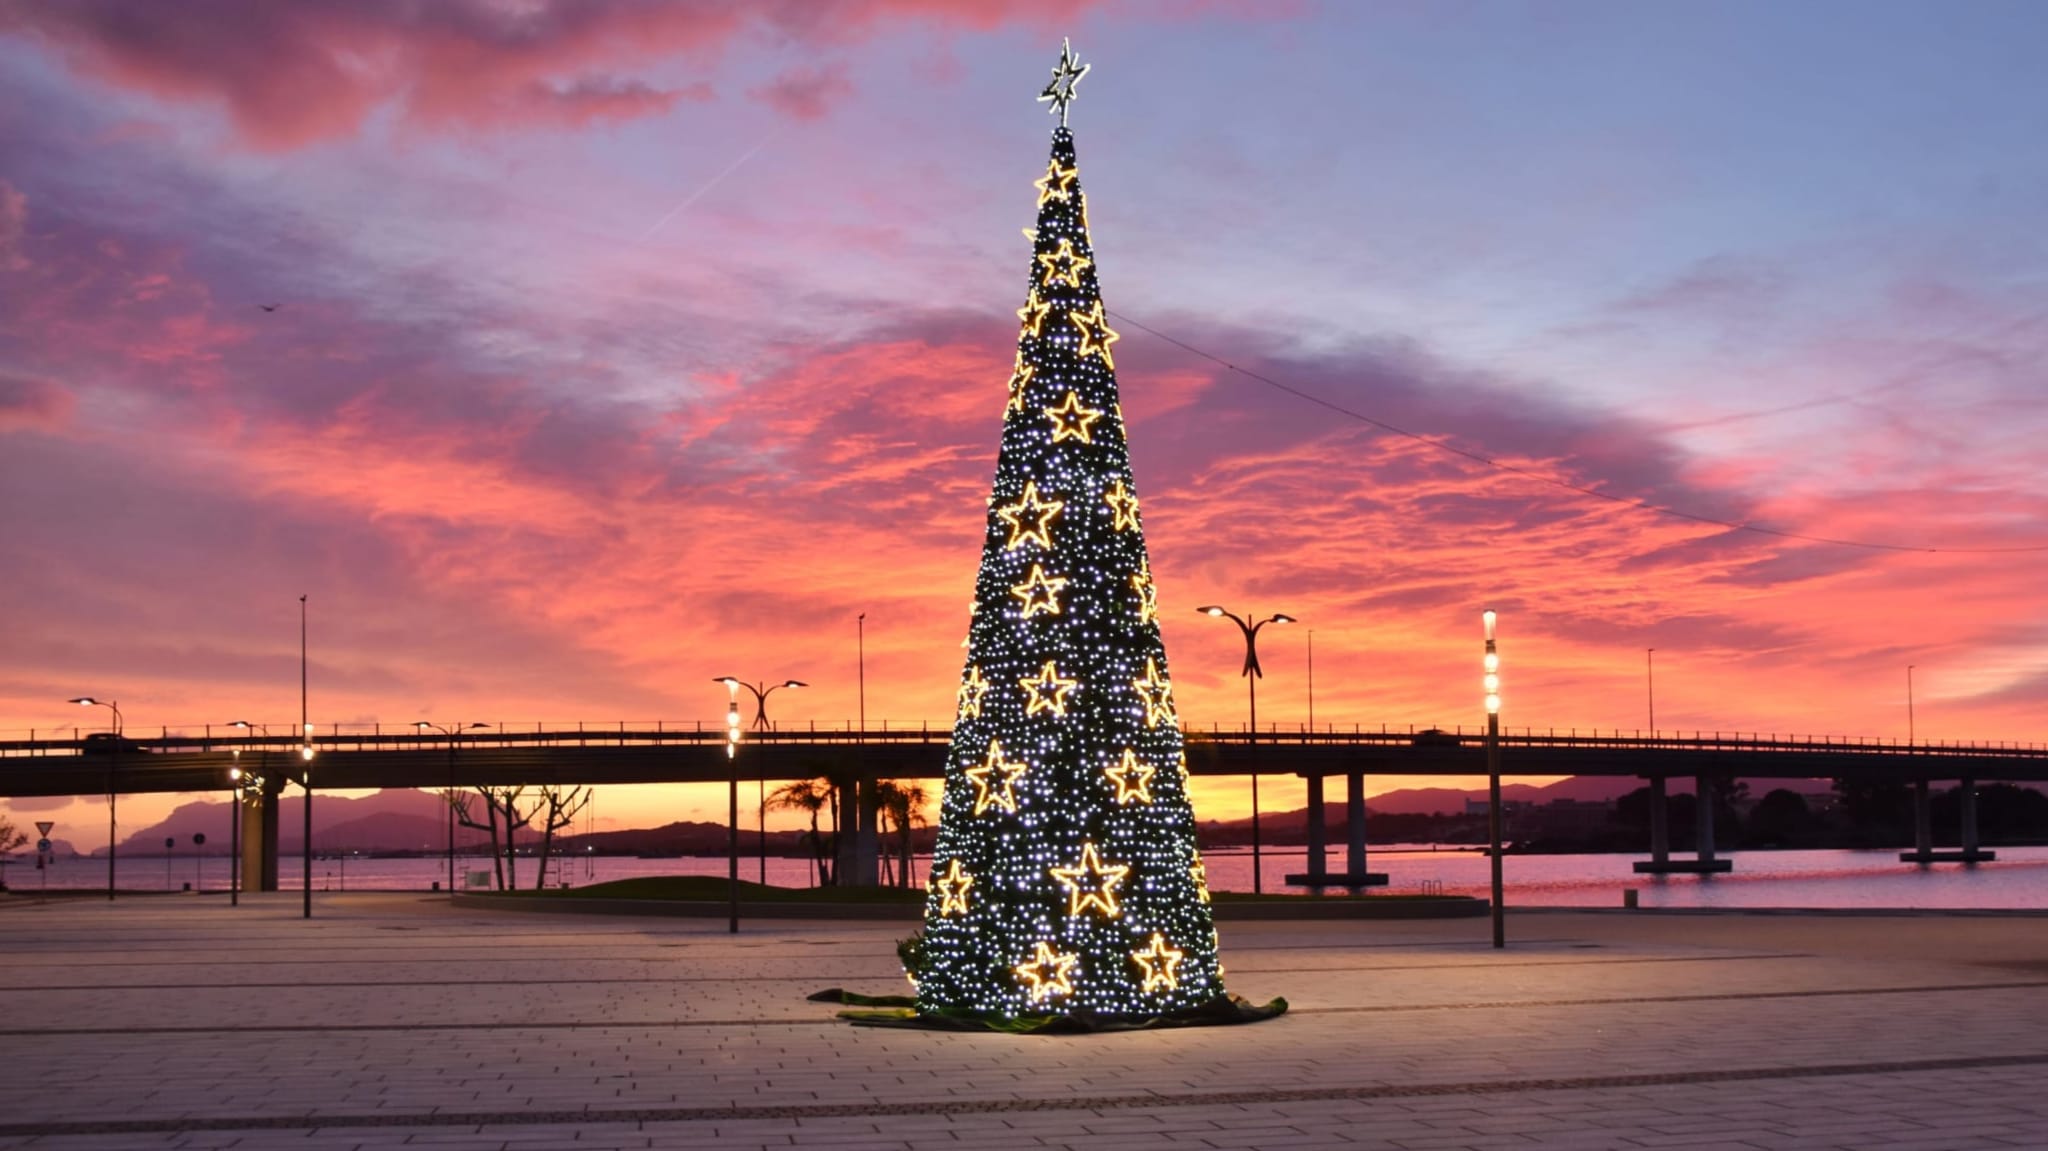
[{"x": 1065, "y": 76}]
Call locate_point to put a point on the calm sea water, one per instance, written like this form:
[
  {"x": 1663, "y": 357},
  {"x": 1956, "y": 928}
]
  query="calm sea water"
[{"x": 1822, "y": 879}]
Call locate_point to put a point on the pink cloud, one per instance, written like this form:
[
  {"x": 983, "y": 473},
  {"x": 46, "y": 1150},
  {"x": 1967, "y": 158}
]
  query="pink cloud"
[
  {"x": 13, "y": 222},
  {"x": 33, "y": 405},
  {"x": 805, "y": 93},
  {"x": 290, "y": 75}
]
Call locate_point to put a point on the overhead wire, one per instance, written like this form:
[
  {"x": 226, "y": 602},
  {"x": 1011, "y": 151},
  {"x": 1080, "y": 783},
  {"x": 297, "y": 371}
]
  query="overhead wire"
[{"x": 1529, "y": 473}]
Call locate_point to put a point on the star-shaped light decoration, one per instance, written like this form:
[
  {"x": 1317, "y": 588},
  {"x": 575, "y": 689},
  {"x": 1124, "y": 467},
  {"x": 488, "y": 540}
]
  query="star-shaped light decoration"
[
  {"x": 1056, "y": 184},
  {"x": 1071, "y": 421},
  {"x": 1048, "y": 691},
  {"x": 1091, "y": 884},
  {"x": 1030, "y": 518},
  {"x": 1033, "y": 313},
  {"x": 1020, "y": 379},
  {"x": 1157, "y": 694},
  {"x": 1096, "y": 334},
  {"x": 1161, "y": 964},
  {"x": 1199, "y": 871},
  {"x": 1064, "y": 265},
  {"x": 951, "y": 888},
  {"x": 1133, "y": 779},
  {"x": 1048, "y": 973},
  {"x": 971, "y": 690},
  {"x": 1148, "y": 592},
  {"x": 1124, "y": 503},
  {"x": 1040, "y": 592},
  {"x": 995, "y": 781},
  {"x": 1065, "y": 75}
]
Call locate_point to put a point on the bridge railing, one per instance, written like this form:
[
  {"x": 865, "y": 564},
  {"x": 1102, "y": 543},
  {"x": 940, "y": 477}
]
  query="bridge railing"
[{"x": 614, "y": 733}]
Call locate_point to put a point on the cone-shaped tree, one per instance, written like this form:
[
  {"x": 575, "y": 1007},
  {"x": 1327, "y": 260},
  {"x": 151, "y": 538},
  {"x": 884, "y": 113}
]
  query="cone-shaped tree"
[{"x": 1066, "y": 879}]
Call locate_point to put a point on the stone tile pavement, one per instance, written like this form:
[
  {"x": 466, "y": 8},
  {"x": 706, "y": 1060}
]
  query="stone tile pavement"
[{"x": 394, "y": 1020}]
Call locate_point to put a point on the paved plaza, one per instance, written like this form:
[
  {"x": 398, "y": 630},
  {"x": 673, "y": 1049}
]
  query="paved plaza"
[{"x": 395, "y": 1020}]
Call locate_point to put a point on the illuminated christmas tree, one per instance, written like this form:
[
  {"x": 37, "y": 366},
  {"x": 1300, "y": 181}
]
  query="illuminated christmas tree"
[{"x": 1066, "y": 881}]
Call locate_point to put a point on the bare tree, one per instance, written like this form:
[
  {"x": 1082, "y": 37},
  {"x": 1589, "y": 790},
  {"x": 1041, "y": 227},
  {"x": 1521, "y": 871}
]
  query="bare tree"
[
  {"x": 459, "y": 800},
  {"x": 558, "y": 810},
  {"x": 508, "y": 802}
]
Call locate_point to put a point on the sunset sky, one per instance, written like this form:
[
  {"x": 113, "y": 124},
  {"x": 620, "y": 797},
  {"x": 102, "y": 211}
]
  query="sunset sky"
[{"x": 622, "y": 345}]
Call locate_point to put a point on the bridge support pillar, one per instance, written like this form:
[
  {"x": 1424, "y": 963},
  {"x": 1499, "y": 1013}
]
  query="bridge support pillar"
[
  {"x": 1660, "y": 861},
  {"x": 259, "y": 839},
  {"x": 867, "y": 871},
  {"x": 1354, "y": 874},
  {"x": 1660, "y": 822},
  {"x": 1318, "y": 832},
  {"x": 1923, "y": 819},
  {"x": 1924, "y": 850},
  {"x": 1703, "y": 819}
]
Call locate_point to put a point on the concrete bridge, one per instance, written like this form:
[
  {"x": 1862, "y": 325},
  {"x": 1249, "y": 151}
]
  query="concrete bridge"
[{"x": 620, "y": 753}]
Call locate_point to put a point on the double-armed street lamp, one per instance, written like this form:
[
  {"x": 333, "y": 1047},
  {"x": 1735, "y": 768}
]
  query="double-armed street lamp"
[
  {"x": 1491, "y": 682},
  {"x": 761, "y": 693},
  {"x": 1252, "y": 674},
  {"x": 113, "y": 760},
  {"x": 423, "y": 726}
]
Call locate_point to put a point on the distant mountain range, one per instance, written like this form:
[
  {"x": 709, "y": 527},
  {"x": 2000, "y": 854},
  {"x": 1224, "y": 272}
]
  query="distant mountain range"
[{"x": 399, "y": 821}]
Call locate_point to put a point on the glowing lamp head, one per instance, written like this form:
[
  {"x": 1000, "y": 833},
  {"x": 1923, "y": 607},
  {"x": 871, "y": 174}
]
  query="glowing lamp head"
[
  {"x": 306, "y": 752},
  {"x": 1492, "y": 704},
  {"x": 1212, "y": 610},
  {"x": 84, "y": 701},
  {"x": 1492, "y": 685},
  {"x": 794, "y": 683},
  {"x": 1488, "y": 617},
  {"x": 241, "y": 723},
  {"x": 234, "y": 775},
  {"x": 1492, "y": 662},
  {"x": 1281, "y": 617},
  {"x": 422, "y": 725},
  {"x": 309, "y": 727}
]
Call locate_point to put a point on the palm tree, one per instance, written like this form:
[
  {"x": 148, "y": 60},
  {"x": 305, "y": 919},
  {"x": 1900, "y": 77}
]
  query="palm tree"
[
  {"x": 902, "y": 808},
  {"x": 812, "y": 796}
]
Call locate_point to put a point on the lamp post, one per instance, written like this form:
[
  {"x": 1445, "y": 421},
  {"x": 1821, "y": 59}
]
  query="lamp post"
[
  {"x": 306, "y": 761},
  {"x": 244, "y": 782},
  {"x": 1909, "y": 705},
  {"x": 732, "y": 820},
  {"x": 113, "y": 762},
  {"x": 1252, "y": 674},
  {"x": 1491, "y": 682},
  {"x": 1650, "y": 678},
  {"x": 423, "y": 725},
  {"x": 761, "y": 694}
]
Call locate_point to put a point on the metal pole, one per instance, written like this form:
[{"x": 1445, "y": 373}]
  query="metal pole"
[
  {"x": 1650, "y": 671},
  {"x": 732, "y": 826},
  {"x": 450, "y": 800},
  {"x": 113, "y": 761},
  {"x": 861, "y": 622},
  {"x": 235, "y": 845},
  {"x": 1493, "y": 822},
  {"x": 1311, "y": 681},
  {"x": 1252, "y": 683},
  {"x": 1909, "y": 704},
  {"x": 305, "y": 763}
]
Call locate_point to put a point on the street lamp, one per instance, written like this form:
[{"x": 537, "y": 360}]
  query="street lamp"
[
  {"x": 113, "y": 761},
  {"x": 761, "y": 694},
  {"x": 1252, "y": 674},
  {"x": 1650, "y": 680},
  {"x": 1909, "y": 705},
  {"x": 242, "y": 782},
  {"x": 422, "y": 726},
  {"x": 1491, "y": 682},
  {"x": 732, "y": 816}
]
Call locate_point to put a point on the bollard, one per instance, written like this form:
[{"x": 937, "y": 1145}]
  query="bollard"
[{"x": 1628, "y": 898}]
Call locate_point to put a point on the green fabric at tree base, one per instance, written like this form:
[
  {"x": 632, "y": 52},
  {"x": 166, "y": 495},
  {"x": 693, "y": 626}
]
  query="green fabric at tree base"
[{"x": 901, "y": 1011}]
